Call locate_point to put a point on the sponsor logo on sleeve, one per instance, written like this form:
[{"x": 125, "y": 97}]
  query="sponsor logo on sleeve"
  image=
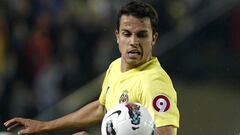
[{"x": 161, "y": 103}]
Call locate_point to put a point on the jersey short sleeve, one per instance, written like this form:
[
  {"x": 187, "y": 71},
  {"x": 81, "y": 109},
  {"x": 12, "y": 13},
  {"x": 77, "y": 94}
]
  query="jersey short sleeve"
[{"x": 160, "y": 98}]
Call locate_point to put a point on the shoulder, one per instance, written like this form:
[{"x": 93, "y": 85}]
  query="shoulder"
[
  {"x": 156, "y": 74},
  {"x": 113, "y": 70},
  {"x": 156, "y": 79},
  {"x": 116, "y": 63}
]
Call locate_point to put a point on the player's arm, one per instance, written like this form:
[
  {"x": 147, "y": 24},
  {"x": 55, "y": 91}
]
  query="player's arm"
[
  {"x": 166, "y": 130},
  {"x": 90, "y": 114}
]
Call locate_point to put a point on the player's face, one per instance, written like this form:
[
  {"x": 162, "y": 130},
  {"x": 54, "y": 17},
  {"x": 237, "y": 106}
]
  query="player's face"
[{"x": 135, "y": 39}]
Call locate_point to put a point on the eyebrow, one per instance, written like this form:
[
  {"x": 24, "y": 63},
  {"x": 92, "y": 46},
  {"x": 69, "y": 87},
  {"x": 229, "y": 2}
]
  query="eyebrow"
[{"x": 141, "y": 31}]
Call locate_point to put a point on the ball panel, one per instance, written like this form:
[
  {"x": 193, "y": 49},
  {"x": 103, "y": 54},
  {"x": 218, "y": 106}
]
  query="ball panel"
[{"x": 128, "y": 119}]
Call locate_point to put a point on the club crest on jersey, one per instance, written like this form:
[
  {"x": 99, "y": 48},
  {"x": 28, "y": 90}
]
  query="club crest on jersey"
[
  {"x": 124, "y": 97},
  {"x": 161, "y": 103}
]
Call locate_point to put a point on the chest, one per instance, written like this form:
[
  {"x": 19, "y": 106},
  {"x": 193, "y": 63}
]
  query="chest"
[{"x": 122, "y": 90}]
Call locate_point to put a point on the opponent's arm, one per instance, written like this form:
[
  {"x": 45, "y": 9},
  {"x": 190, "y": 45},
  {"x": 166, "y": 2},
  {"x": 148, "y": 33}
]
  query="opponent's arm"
[
  {"x": 88, "y": 115},
  {"x": 166, "y": 130}
]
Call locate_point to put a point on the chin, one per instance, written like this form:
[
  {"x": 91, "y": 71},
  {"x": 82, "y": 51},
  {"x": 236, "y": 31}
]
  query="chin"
[{"x": 134, "y": 63}]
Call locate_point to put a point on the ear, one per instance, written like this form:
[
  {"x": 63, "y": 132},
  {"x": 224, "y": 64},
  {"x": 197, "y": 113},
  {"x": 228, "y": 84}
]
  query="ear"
[
  {"x": 155, "y": 37},
  {"x": 117, "y": 35}
]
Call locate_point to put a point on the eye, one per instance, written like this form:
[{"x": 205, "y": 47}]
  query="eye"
[
  {"x": 142, "y": 34},
  {"x": 126, "y": 34}
]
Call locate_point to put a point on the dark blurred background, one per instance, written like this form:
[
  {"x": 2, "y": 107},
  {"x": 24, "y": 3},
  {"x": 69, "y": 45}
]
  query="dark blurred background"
[{"x": 53, "y": 54}]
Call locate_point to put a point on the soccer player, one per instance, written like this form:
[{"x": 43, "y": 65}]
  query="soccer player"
[{"x": 136, "y": 76}]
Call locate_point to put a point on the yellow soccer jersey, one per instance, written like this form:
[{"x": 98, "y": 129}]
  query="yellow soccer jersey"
[{"x": 148, "y": 85}]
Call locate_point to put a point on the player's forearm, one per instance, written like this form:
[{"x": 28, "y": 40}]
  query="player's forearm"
[
  {"x": 88, "y": 115},
  {"x": 166, "y": 130}
]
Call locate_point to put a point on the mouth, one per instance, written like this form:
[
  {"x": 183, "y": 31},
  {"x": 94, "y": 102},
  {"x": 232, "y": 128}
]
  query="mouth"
[{"x": 134, "y": 54}]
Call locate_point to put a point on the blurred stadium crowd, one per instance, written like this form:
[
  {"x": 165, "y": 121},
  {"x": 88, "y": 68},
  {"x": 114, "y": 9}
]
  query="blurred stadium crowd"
[{"x": 48, "y": 48}]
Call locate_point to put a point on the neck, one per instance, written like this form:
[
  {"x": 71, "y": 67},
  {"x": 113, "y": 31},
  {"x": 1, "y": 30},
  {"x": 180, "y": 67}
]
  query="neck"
[{"x": 126, "y": 67}]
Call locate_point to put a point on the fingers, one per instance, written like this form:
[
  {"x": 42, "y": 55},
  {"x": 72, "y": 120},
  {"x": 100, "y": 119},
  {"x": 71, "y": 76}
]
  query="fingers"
[
  {"x": 23, "y": 132},
  {"x": 13, "y": 123},
  {"x": 12, "y": 126}
]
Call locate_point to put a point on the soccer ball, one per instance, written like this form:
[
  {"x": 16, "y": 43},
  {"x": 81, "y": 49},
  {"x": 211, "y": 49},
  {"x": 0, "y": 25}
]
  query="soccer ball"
[{"x": 128, "y": 119}]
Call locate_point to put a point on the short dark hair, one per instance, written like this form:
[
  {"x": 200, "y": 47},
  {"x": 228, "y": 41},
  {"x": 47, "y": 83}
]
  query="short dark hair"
[{"x": 140, "y": 10}]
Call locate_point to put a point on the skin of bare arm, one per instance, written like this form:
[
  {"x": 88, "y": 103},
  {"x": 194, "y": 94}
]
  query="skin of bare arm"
[
  {"x": 165, "y": 130},
  {"x": 90, "y": 114}
]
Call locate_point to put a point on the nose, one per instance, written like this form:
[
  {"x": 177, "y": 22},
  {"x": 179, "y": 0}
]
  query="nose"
[{"x": 134, "y": 40}]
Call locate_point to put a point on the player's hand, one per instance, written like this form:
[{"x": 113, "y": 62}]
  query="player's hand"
[
  {"x": 29, "y": 126},
  {"x": 81, "y": 133}
]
